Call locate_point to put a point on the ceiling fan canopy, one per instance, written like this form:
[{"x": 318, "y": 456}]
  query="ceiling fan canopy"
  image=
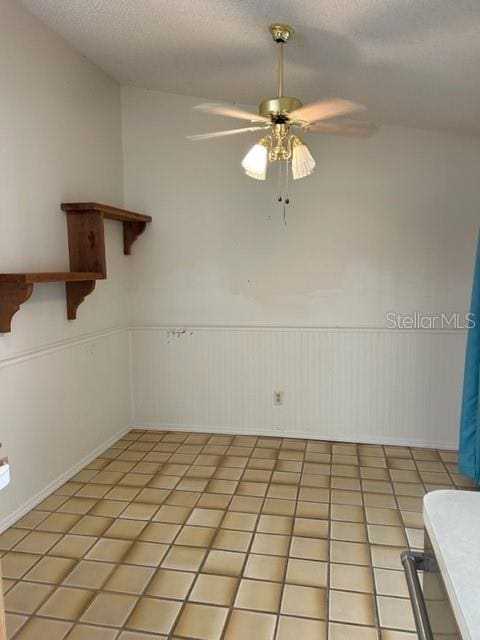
[{"x": 279, "y": 115}]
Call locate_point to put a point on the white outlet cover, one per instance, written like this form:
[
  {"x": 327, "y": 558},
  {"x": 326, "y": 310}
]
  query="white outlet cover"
[{"x": 4, "y": 475}]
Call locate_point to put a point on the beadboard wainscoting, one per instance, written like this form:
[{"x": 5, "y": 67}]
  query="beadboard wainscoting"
[
  {"x": 61, "y": 405},
  {"x": 363, "y": 384}
]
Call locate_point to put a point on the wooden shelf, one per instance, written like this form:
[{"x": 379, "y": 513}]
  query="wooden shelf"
[
  {"x": 134, "y": 224},
  {"x": 112, "y": 213},
  {"x": 86, "y": 243},
  {"x": 50, "y": 276},
  {"x": 16, "y": 288}
]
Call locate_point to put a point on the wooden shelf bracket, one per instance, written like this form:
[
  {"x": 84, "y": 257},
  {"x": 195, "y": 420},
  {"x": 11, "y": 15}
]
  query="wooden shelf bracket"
[
  {"x": 12, "y": 295},
  {"x": 131, "y": 231},
  {"x": 76, "y": 294},
  {"x": 86, "y": 244}
]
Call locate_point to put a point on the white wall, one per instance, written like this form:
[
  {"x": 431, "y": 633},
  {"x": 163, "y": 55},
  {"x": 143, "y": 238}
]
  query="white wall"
[
  {"x": 386, "y": 224},
  {"x": 63, "y": 384}
]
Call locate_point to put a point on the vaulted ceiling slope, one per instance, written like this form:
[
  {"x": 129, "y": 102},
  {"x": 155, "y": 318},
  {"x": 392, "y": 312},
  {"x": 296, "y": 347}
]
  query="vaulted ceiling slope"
[{"x": 412, "y": 62}]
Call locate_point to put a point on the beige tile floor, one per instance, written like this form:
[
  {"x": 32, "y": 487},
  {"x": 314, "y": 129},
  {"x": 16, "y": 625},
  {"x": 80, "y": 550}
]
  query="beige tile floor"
[{"x": 213, "y": 537}]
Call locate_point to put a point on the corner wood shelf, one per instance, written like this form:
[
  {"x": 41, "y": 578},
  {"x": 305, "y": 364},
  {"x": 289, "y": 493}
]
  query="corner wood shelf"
[
  {"x": 134, "y": 224},
  {"x": 86, "y": 243}
]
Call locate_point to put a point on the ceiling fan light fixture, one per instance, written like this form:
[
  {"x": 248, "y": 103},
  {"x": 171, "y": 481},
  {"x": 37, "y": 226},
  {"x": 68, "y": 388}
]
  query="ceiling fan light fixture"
[
  {"x": 256, "y": 160},
  {"x": 280, "y": 116},
  {"x": 303, "y": 163}
]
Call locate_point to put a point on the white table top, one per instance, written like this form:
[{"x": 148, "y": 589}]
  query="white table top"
[{"x": 452, "y": 519}]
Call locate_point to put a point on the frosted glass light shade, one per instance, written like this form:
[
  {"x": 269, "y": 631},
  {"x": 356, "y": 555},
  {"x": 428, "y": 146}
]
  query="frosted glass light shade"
[
  {"x": 303, "y": 163},
  {"x": 256, "y": 161}
]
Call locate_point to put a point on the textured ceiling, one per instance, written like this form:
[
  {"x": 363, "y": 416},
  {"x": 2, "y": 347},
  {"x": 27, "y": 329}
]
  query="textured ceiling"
[{"x": 412, "y": 62}]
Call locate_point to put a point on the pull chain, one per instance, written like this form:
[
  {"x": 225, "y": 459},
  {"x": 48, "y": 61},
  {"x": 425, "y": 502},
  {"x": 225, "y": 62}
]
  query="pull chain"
[
  {"x": 283, "y": 186},
  {"x": 286, "y": 200},
  {"x": 280, "y": 198}
]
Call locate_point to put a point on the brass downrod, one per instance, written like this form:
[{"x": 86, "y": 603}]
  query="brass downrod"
[
  {"x": 281, "y": 67},
  {"x": 281, "y": 33}
]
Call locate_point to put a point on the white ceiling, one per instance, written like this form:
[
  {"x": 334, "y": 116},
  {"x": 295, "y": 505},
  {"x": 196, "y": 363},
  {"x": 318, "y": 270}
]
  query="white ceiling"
[{"x": 412, "y": 62}]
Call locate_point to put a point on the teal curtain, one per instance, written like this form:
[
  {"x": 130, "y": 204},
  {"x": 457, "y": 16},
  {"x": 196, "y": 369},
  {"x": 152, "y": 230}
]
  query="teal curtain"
[{"x": 469, "y": 450}]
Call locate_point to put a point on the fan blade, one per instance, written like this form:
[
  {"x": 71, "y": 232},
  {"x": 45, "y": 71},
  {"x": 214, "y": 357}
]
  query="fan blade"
[
  {"x": 323, "y": 109},
  {"x": 345, "y": 128},
  {"x": 229, "y": 111},
  {"x": 220, "y": 134}
]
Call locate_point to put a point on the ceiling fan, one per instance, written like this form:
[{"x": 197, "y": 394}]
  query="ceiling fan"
[{"x": 279, "y": 116}]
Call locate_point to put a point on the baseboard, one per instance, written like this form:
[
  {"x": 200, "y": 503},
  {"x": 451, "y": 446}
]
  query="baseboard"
[
  {"x": 53, "y": 486},
  {"x": 389, "y": 441}
]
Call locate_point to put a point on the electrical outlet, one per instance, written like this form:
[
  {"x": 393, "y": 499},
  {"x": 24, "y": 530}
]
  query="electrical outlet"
[{"x": 278, "y": 397}]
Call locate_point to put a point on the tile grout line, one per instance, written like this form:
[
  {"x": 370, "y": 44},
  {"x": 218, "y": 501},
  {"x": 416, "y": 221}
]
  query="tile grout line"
[
  {"x": 129, "y": 443},
  {"x": 56, "y": 586},
  {"x": 202, "y": 564},
  {"x": 247, "y": 552},
  {"x": 287, "y": 558}
]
